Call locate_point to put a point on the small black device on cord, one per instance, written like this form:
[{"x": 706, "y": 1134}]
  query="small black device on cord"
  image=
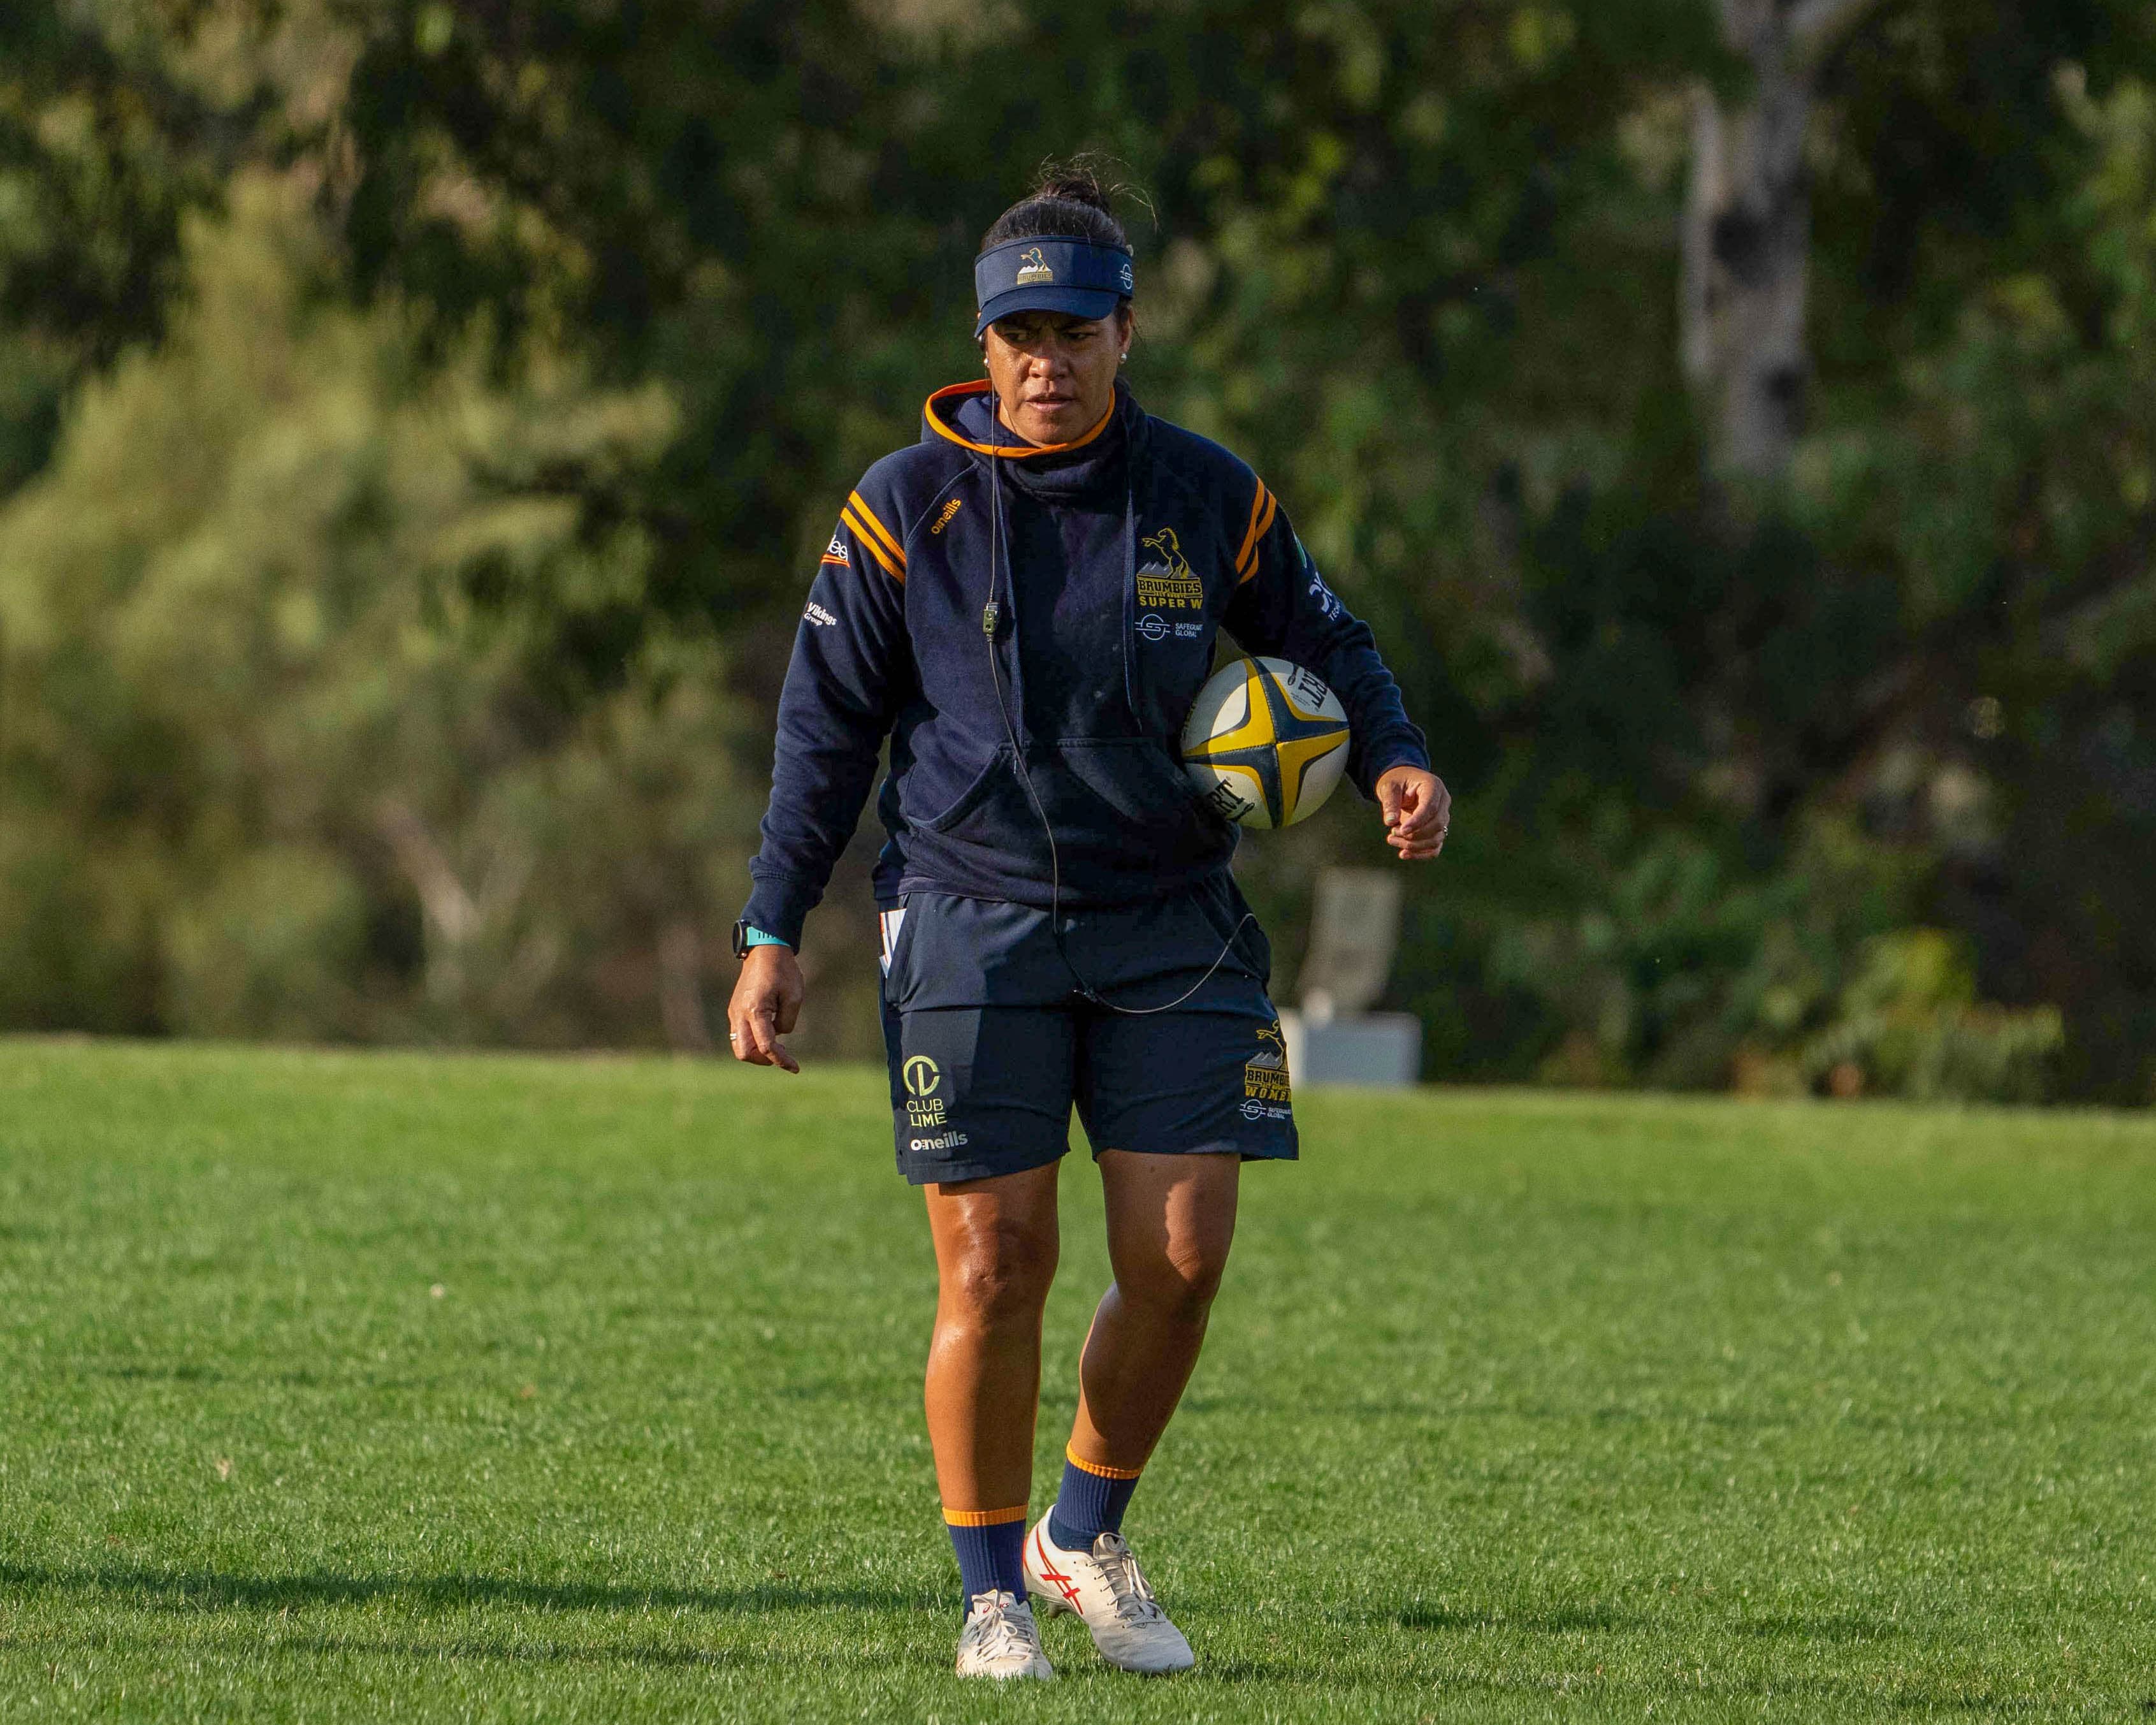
[{"x": 990, "y": 613}]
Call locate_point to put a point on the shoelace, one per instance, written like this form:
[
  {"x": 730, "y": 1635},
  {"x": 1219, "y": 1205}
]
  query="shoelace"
[
  {"x": 996, "y": 1614},
  {"x": 1134, "y": 1600}
]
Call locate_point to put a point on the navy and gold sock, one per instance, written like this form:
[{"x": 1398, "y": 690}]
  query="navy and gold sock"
[
  {"x": 1090, "y": 1502},
  {"x": 991, "y": 1548}
]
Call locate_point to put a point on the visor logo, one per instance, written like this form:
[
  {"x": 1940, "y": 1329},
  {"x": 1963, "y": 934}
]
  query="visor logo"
[{"x": 1033, "y": 267}]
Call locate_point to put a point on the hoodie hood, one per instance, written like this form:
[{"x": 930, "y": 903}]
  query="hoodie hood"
[
  {"x": 965, "y": 414},
  {"x": 1082, "y": 471}
]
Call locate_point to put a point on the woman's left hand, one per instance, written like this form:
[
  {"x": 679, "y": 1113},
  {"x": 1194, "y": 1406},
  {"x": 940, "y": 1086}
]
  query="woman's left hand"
[{"x": 1418, "y": 812}]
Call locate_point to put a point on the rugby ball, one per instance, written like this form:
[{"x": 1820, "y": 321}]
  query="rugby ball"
[{"x": 1266, "y": 743}]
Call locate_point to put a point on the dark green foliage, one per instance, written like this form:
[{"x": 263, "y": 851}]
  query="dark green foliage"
[
  {"x": 1418, "y": 262},
  {"x": 107, "y": 139}
]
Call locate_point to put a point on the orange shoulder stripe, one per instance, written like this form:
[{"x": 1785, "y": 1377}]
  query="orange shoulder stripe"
[
  {"x": 868, "y": 542},
  {"x": 882, "y": 533},
  {"x": 1261, "y": 517}
]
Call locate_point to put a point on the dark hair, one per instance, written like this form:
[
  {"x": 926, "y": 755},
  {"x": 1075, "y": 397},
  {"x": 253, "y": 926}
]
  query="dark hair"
[{"x": 1069, "y": 201}]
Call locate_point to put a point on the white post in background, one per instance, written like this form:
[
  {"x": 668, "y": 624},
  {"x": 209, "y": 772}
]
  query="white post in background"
[{"x": 1354, "y": 934}]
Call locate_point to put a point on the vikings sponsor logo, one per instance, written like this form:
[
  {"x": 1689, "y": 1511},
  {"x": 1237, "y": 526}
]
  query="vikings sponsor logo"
[{"x": 1033, "y": 267}]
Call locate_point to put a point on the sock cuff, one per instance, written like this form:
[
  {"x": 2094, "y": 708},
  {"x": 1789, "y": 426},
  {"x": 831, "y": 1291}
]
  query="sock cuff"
[
  {"x": 983, "y": 1518},
  {"x": 1099, "y": 1469}
]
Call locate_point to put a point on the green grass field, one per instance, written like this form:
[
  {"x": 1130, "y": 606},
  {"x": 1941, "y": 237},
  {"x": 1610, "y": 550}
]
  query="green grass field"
[{"x": 362, "y": 1387}]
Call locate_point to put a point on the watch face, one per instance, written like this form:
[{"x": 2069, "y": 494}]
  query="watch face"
[{"x": 741, "y": 938}]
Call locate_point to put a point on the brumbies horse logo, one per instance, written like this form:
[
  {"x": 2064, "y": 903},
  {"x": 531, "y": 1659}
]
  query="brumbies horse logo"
[
  {"x": 1033, "y": 267},
  {"x": 1168, "y": 583}
]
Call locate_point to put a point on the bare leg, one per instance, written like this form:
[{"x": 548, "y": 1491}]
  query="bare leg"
[
  {"x": 995, "y": 1256},
  {"x": 1171, "y": 1220}
]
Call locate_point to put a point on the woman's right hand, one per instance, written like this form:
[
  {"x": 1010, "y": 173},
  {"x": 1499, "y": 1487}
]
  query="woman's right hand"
[{"x": 766, "y": 1005}]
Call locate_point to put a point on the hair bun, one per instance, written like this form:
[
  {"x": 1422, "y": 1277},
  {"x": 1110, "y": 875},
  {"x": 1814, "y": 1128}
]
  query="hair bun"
[
  {"x": 1076, "y": 181},
  {"x": 1071, "y": 199}
]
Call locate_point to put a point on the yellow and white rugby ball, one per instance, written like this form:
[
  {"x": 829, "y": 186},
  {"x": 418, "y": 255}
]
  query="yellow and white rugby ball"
[{"x": 1265, "y": 741}]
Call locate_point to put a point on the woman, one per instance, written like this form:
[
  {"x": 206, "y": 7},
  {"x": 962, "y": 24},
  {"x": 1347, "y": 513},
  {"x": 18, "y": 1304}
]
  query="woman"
[{"x": 1024, "y": 602}]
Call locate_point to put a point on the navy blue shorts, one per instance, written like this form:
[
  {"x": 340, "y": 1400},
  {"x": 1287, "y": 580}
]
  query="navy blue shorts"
[{"x": 991, "y": 1043}]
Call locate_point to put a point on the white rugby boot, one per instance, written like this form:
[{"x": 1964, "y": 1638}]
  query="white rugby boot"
[
  {"x": 1110, "y": 1598},
  {"x": 1001, "y": 1640}
]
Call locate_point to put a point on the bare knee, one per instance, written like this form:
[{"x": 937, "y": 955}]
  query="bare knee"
[
  {"x": 1000, "y": 1274},
  {"x": 1176, "y": 1285}
]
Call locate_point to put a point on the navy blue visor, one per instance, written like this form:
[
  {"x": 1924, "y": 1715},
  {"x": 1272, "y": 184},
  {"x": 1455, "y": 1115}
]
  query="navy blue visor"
[{"x": 1072, "y": 276}]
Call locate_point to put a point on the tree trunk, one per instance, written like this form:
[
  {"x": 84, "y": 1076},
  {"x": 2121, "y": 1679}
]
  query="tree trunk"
[{"x": 1747, "y": 232}]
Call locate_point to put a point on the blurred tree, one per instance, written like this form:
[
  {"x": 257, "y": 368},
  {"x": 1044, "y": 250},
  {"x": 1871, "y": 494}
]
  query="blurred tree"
[
  {"x": 2008, "y": 497},
  {"x": 1434, "y": 269},
  {"x": 99, "y": 153},
  {"x": 263, "y": 770},
  {"x": 1747, "y": 229}
]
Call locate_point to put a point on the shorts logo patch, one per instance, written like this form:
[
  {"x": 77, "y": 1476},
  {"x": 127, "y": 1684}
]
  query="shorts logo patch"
[
  {"x": 924, "y": 1108},
  {"x": 1264, "y": 1073},
  {"x": 948, "y": 1140}
]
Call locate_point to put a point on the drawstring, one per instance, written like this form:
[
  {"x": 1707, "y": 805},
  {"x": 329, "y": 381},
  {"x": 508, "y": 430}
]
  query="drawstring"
[
  {"x": 1131, "y": 582},
  {"x": 990, "y": 620}
]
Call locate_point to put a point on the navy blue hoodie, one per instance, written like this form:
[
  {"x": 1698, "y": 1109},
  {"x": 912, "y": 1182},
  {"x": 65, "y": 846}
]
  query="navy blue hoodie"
[{"x": 1114, "y": 560}]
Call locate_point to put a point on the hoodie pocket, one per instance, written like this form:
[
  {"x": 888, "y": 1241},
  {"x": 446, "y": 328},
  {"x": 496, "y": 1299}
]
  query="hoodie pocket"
[
  {"x": 982, "y": 787},
  {"x": 1119, "y": 808},
  {"x": 1142, "y": 787}
]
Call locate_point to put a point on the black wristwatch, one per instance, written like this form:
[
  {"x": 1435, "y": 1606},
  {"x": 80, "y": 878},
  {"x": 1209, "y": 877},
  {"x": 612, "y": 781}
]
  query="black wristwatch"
[{"x": 741, "y": 938}]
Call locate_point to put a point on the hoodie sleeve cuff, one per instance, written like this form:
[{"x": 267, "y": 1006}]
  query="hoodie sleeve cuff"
[
  {"x": 778, "y": 906},
  {"x": 1398, "y": 752}
]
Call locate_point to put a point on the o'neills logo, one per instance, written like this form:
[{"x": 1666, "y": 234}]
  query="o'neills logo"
[
  {"x": 948, "y": 1140},
  {"x": 1033, "y": 267}
]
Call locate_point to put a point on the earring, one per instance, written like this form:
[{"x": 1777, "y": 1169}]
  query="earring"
[{"x": 1124, "y": 357}]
